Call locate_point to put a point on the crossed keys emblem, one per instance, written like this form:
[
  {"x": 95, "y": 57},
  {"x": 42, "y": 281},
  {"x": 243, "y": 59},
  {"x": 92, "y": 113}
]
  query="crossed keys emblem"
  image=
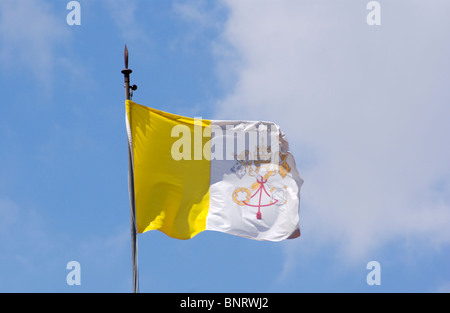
[{"x": 264, "y": 195}]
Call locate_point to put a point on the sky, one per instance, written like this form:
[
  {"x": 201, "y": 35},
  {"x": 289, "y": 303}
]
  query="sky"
[{"x": 366, "y": 110}]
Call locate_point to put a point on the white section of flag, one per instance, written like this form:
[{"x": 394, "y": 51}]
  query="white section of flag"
[{"x": 257, "y": 200}]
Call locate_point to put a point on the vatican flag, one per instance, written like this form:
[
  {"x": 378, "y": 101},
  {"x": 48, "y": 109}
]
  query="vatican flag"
[{"x": 192, "y": 175}]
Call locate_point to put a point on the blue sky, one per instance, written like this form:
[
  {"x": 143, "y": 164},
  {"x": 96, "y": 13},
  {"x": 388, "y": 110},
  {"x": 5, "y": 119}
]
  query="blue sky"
[{"x": 365, "y": 108}]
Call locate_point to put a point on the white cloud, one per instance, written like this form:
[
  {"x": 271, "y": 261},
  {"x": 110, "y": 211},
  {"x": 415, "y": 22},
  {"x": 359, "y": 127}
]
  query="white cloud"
[
  {"x": 201, "y": 18},
  {"x": 197, "y": 12},
  {"x": 365, "y": 110},
  {"x": 29, "y": 34},
  {"x": 123, "y": 13}
]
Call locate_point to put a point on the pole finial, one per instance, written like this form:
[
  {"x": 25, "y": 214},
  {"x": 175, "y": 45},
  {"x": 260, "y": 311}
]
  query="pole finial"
[
  {"x": 126, "y": 56},
  {"x": 126, "y": 72}
]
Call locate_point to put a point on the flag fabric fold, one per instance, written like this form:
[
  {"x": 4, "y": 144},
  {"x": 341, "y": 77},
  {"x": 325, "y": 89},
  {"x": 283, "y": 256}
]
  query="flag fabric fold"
[{"x": 193, "y": 175}]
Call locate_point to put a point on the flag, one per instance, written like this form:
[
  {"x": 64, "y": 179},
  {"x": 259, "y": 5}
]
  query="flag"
[{"x": 193, "y": 175}]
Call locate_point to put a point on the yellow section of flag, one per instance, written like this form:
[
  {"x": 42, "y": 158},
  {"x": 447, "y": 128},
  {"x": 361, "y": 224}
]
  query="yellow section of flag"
[{"x": 171, "y": 195}]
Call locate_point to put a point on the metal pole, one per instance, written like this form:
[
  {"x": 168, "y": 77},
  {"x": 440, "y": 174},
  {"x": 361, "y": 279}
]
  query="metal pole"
[{"x": 134, "y": 255}]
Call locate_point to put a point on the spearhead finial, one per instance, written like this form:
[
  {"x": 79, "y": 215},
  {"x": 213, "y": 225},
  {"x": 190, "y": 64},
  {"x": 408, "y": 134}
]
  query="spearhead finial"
[
  {"x": 126, "y": 72},
  {"x": 126, "y": 56}
]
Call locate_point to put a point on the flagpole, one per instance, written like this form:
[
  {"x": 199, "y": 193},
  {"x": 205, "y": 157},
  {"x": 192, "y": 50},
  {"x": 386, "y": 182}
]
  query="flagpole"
[{"x": 134, "y": 253}]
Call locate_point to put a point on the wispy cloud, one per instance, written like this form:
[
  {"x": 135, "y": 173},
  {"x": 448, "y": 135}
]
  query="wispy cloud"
[
  {"x": 198, "y": 12},
  {"x": 123, "y": 13},
  {"x": 201, "y": 17},
  {"x": 365, "y": 110},
  {"x": 29, "y": 34}
]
